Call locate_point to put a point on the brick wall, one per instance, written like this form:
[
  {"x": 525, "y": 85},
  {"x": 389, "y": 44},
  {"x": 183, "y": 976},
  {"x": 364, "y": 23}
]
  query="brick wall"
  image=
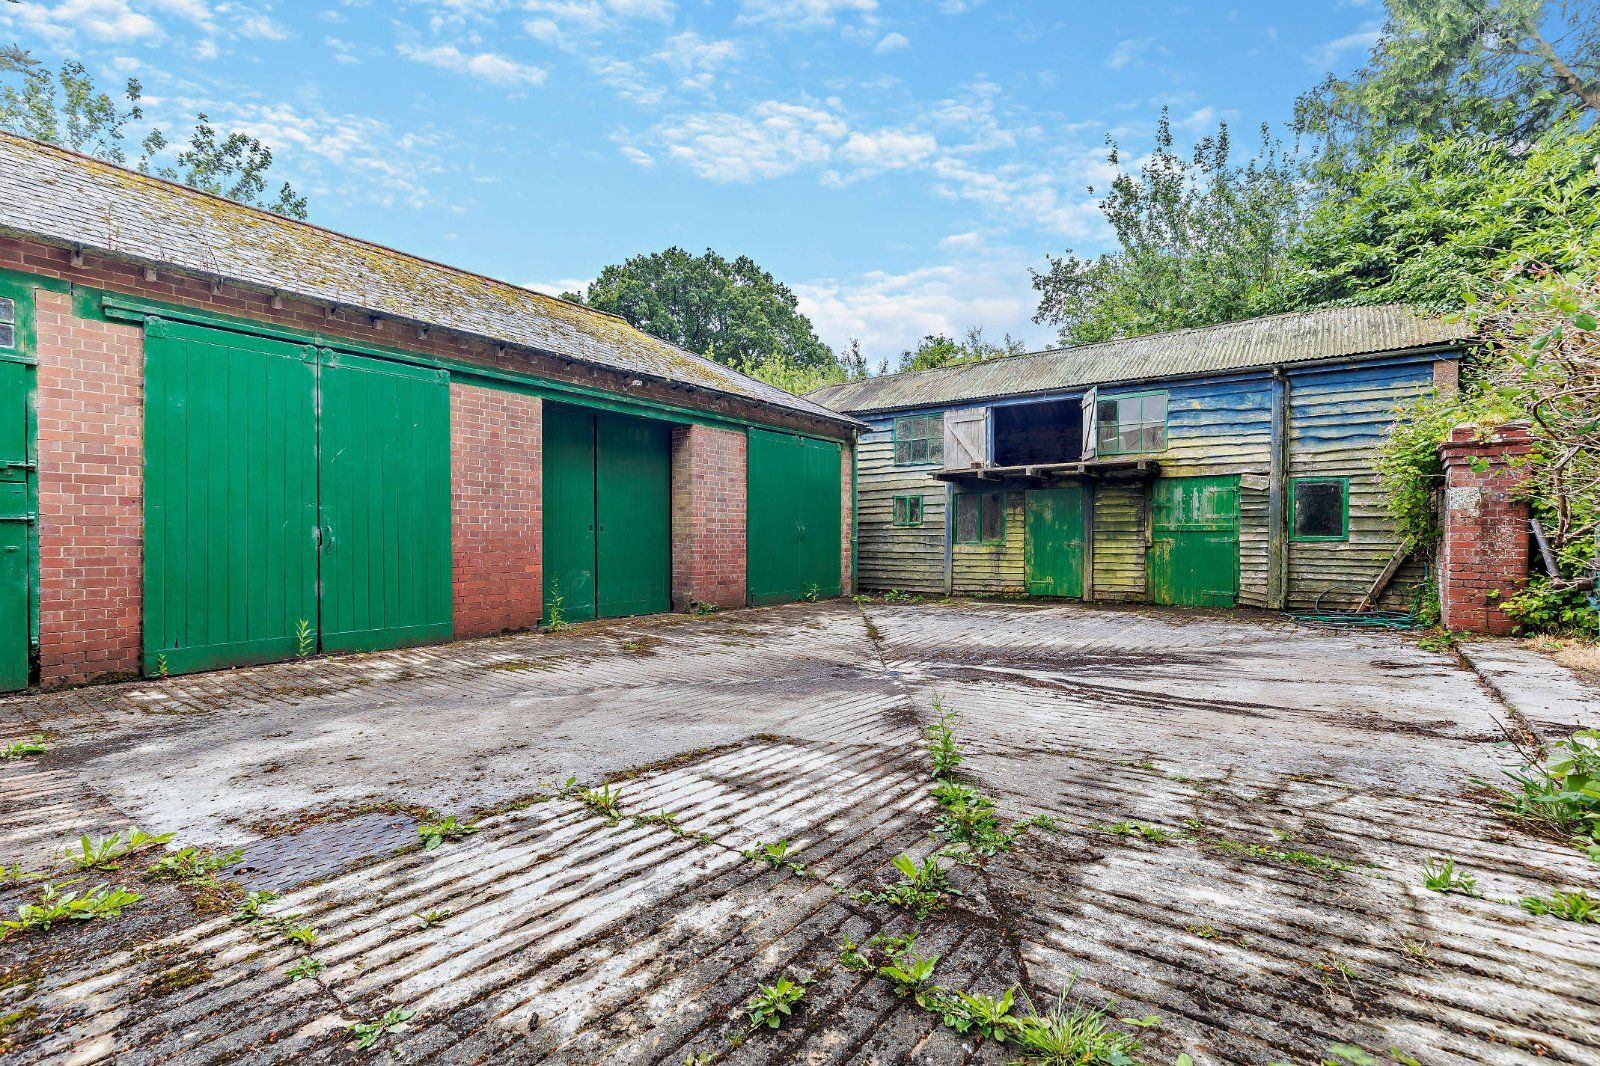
[
  {"x": 1485, "y": 553},
  {"x": 708, "y": 516},
  {"x": 496, "y": 507},
  {"x": 846, "y": 512},
  {"x": 90, "y": 402}
]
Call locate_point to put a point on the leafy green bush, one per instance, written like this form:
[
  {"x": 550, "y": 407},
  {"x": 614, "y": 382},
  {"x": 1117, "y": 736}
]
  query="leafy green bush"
[{"x": 1544, "y": 607}]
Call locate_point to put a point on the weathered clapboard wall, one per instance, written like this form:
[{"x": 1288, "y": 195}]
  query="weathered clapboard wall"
[
  {"x": 1121, "y": 524},
  {"x": 892, "y": 557},
  {"x": 994, "y": 569},
  {"x": 1338, "y": 420}
]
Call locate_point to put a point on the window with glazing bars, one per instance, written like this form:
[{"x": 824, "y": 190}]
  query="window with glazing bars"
[
  {"x": 919, "y": 440},
  {"x": 980, "y": 518},
  {"x": 908, "y": 510},
  {"x": 8, "y": 323},
  {"x": 1126, "y": 425}
]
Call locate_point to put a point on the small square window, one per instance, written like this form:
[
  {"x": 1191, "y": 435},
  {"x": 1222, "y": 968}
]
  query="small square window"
[
  {"x": 8, "y": 323},
  {"x": 1127, "y": 425},
  {"x": 908, "y": 510},
  {"x": 919, "y": 440},
  {"x": 980, "y": 518},
  {"x": 1320, "y": 509}
]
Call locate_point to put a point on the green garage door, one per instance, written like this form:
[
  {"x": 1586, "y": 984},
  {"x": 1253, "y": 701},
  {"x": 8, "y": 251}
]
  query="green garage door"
[
  {"x": 1194, "y": 545},
  {"x": 384, "y": 474},
  {"x": 251, "y": 499},
  {"x": 16, "y": 519},
  {"x": 1053, "y": 544},
  {"x": 607, "y": 514},
  {"x": 795, "y": 514}
]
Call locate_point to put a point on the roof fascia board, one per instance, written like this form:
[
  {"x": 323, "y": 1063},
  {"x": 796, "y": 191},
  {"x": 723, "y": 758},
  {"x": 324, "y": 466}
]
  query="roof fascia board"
[{"x": 99, "y": 303}]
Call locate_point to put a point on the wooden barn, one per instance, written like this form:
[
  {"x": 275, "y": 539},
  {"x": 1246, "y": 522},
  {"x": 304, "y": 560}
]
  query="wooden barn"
[{"x": 1232, "y": 464}]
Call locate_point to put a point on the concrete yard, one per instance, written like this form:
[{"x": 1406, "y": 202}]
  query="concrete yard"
[{"x": 1304, "y": 776}]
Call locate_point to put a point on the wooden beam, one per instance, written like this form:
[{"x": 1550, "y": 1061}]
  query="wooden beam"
[{"x": 1370, "y": 600}]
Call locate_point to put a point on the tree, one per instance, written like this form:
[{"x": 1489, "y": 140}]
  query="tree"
[
  {"x": 936, "y": 350},
  {"x": 1502, "y": 70},
  {"x": 1199, "y": 241},
  {"x": 1435, "y": 219},
  {"x": 733, "y": 312},
  {"x": 65, "y": 107}
]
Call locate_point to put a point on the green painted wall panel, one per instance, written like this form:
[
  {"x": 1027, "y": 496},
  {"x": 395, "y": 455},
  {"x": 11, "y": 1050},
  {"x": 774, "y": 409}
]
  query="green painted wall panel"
[
  {"x": 633, "y": 486},
  {"x": 795, "y": 515},
  {"x": 230, "y": 562},
  {"x": 385, "y": 504},
  {"x": 569, "y": 513},
  {"x": 1194, "y": 544},
  {"x": 1053, "y": 520}
]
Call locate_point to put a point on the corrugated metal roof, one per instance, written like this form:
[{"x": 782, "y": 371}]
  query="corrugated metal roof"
[
  {"x": 1299, "y": 337},
  {"x": 63, "y": 197}
]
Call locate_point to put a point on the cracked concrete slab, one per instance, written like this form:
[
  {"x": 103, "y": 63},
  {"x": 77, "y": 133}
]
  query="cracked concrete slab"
[
  {"x": 1551, "y": 698},
  {"x": 1237, "y": 812}
]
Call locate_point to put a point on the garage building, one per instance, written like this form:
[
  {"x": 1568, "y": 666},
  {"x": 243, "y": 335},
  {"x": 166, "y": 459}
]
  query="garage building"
[{"x": 231, "y": 437}]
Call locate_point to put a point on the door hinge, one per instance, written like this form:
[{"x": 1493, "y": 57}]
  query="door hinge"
[
  {"x": 16, "y": 518},
  {"x": 19, "y": 464}
]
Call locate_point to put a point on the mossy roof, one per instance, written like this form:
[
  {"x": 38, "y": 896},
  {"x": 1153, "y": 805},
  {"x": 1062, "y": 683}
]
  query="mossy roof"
[{"x": 66, "y": 198}]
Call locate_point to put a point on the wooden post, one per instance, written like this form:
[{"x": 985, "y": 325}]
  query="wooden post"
[{"x": 1277, "y": 496}]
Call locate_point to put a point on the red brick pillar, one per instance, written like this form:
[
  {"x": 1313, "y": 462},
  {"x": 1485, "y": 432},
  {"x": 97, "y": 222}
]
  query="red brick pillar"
[
  {"x": 708, "y": 517},
  {"x": 497, "y": 509},
  {"x": 1485, "y": 553}
]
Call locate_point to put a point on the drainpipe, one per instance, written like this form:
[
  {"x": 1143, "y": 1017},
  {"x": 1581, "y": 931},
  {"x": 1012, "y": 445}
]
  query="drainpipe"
[
  {"x": 855, "y": 514},
  {"x": 1277, "y": 495}
]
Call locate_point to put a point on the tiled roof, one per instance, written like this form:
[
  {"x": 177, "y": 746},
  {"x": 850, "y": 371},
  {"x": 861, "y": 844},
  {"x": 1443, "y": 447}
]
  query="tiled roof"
[
  {"x": 1299, "y": 337},
  {"x": 63, "y": 197}
]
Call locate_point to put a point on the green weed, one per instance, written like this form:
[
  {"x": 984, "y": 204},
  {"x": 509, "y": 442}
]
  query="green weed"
[
  {"x": 433, "y": 834},
  {"x": 921, "y": 890},
  {"x": 21, "y": 749},
  {"x": 369, "y": 1033},
  {"x": 604, "y": 801},
  {"x": 1071, "y": 1034},
  {"x": 1154, "y": 834},
  {"x": 192, "y": 866},
  {"x": 702, "y": 610},
  {"x": 54, "y": 906},
  {"x": 103, "y": 854},
  {"x": 1439, "y": 640},
  {"x": 251, "y": 909},
  {"x": 943, "y": 751},
  {"x": 1311, "y": 861},
  {"x": 1441, "y": 875},
  {"x": 305, "y": 639},
  {"x": 300, "y": 934},
  {"x": 665, "y": 819},
  {"x": 1560, "y": 788},
  {"x": 813, "y": 594},
  {"x": 1574, "y": 906},
  {"x": 775, "y": 855},
  {"x": 772, "y": 1004},
  {"x": 309, "y": 966},
  {"x": 429, "y": 919},
  {"x": 555, "y": 615},
  {"x": 162, "y": 669}
]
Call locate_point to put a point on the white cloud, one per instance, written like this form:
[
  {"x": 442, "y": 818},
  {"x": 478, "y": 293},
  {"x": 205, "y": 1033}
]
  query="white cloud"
[
  {"x": 875, "y": 151},
  {"x": 890, "y": 312},
  {"x": 260, "y": 27},
  {"x": 486, "y": 66},
  {"x": 102, "y": 20},
  {"x": 688, "y": 51},
  {"x": 892, "y": 42},
  {"x": 804, "y": 12},
  {"x": 770, "y": 140},
  {"x": 1133, "y": 50},
  {"x": 628, "y": 80},
  {"x": 1329, "y": 55},
  {"x": 552, "y": 21}
]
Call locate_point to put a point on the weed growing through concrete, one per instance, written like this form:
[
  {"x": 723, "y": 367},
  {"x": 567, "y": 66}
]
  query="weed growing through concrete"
[
  {"x": 368, "y": 1034},
  {"x": 162, "y": 669},
  {"x": 309, "y": 966},
  {"x": 1559, "y": 788},
  {"x": 702, "y": 610},
  {"x": 103, "y": 854},
  {"x": 664, "y": 819},
  {"x": 813, "y": 594},
  {"x": 921, "y": 890},
  {"x": 772, "y": 1005},
  {"x": 555, "y": 615},
  {"x": 16, "y": 874},
  {"x": 775, "y": 855},
  {"x": 22, "y": 749},
  {"x": 432, "y": 834},
  {"x": 305, "y": 639},
  {"x": 1574, "y": 906},
  {"x": 604, "y": 801},
  {"x": 1154, "y": 834},
  {"x": 1317, "y": 863},
  {"x": 192, "y": 866},
  {"x": 943, "y": 751},
  {"x": 1441, "y": 875},
  {"x": 252, "y": 912},
  {"x": 55, "y": 906},
  {"x": 429, "y": 919}
]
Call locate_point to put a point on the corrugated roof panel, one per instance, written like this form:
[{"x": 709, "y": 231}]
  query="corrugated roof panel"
[
  {"x": 67, "y": 198},
  {"x": 1299, "y": 337}
]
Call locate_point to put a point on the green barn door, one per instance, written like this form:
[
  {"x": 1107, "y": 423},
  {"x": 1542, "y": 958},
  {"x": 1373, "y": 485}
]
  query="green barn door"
[
  {"x": 384, "y": 459},
  {"x": 1053, "y": 541},
  {"x": 794, "y": 518},
  {"x": 633, "y": 517},
  {"x": 230, "y": 553},
  {"x": 1194, "y": 546},
  {"x": 569, "y": 513},
  {"x": 16, "y": 558}
]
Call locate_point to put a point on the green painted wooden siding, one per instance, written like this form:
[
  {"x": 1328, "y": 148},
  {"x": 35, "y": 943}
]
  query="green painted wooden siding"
[
  {"x": 230, "y": 559},
  {"x": 1119, "y": 540},
  {"x": 633, "y": 516},
  {"x": 607, "y": 514},
  {"x": 795, "y": 505},
  {"x": 16, "y": 554},
  {"x": 910, "y": 559},
  {"x": 994, "y": 569},
  {"x": 385, "y": 504},
  {"x": 1194, "y": 543},
  {"x": 1054, "y": 535}
]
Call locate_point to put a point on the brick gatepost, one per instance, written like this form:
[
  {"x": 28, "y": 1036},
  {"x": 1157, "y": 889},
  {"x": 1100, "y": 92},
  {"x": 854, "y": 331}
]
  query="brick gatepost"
[
  {"x": 708, "y": 516},
  {"x": 497, "y": 510},
  {"x": 1485, "y": 553}
]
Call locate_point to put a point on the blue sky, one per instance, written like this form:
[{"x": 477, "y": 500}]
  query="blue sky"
[{"x": 901, "y": 164}]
